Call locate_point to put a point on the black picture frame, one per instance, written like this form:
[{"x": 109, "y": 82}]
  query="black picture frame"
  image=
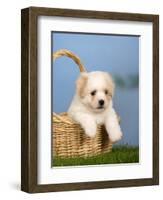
[{"x": 29, "y": 87}]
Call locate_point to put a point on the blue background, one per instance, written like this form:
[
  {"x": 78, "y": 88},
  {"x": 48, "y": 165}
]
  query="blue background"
[{"x": 116, "y": 54}]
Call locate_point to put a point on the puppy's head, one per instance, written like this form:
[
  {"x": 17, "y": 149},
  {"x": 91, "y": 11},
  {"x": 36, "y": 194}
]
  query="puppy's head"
[{"x": 95, "y": 90}]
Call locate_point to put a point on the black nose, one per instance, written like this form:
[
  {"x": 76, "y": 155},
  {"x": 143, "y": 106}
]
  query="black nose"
[{"x": 101, "y": 102}]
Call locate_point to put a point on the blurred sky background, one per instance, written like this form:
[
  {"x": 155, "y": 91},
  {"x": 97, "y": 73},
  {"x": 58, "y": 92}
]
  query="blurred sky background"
[{"x": 116, "y": 54}]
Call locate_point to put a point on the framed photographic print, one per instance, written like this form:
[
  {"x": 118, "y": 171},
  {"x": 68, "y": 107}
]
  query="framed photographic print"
[{"x": 90, "y": 99}]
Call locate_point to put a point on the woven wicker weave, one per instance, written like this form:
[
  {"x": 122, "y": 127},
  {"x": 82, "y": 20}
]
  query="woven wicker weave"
[{"x": 69, "y": 139}]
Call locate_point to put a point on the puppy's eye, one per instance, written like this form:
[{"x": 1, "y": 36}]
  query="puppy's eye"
[
  {"x": 106, "y": 91},
  {"x": 93, "y": 92}
]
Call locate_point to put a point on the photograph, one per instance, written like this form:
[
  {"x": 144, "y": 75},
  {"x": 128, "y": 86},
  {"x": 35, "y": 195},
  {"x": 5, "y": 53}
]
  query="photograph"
[{"x": 95, "y": 98}]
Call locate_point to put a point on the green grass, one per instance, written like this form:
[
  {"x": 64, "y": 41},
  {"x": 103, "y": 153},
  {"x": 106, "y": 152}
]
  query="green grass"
[{"x": 119, "y": 154}]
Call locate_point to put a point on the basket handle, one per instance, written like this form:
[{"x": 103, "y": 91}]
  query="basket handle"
[{"x": 75, "y": 58}]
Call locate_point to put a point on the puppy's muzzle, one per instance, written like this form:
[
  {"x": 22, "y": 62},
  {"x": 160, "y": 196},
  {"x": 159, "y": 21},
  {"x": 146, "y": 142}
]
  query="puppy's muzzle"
[{"x": 101, "y": 102}]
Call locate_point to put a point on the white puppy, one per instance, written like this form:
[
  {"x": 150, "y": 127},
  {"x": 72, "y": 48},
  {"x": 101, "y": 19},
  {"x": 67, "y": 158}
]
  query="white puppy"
[{"x": 92, "y": 104}]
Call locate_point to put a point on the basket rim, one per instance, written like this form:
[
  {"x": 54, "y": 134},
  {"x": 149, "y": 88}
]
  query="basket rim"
[{"x": 62, "y": 118}]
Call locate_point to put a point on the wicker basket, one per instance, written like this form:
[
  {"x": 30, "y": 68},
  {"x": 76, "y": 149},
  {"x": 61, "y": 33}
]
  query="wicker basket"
[{"x": 69, "y": 139}]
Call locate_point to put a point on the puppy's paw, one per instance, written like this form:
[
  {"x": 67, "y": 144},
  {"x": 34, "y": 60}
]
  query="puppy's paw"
[
  {"x": 113, "y": 128},
  {"x": 90, "y": 129},
  {"x": 115, "y": 136}
]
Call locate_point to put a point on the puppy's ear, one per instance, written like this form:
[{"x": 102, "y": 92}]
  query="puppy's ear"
[
  {"x": 111, "y": 84},
  {"x": 81, "y": 83}
]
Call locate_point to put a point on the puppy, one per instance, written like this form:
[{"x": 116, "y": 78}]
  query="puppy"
[{"x": 92, "y": 104}]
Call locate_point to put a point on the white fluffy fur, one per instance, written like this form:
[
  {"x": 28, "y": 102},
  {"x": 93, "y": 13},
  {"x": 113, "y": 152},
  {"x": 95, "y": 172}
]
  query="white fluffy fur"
[{"x": 84, "y": 107}]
